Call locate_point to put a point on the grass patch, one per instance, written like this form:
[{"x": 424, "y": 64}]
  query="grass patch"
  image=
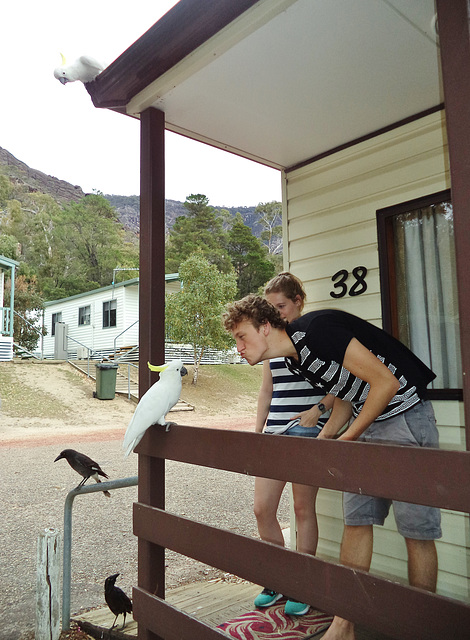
[
  {"x": 22, "y": 401},
  {"x": 223, "y": 387}
]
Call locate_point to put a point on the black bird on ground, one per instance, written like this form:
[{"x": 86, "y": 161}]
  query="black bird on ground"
[
  {"x": 83, "y": 465},
  {"x": 116, "y": 599}
]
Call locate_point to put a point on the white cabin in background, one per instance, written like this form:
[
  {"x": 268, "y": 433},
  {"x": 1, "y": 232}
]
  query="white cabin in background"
[{"x": 102, "y": 320}]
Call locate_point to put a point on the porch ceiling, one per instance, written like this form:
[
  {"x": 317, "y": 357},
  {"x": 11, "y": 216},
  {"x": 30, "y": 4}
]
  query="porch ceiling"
[{"x": 287, "y": 79}]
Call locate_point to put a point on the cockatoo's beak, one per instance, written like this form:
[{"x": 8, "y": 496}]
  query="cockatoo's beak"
[{"x": 63, "y": 80}]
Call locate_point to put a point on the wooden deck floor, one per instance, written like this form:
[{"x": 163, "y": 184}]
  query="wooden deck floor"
[{"x": 213, "y": 602}]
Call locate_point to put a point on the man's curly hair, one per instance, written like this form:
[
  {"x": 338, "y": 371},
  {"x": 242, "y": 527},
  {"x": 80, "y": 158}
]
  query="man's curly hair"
[{"x": 255, "y": 309}]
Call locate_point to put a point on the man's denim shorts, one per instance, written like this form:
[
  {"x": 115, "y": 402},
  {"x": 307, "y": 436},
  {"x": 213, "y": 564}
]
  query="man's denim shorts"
[{"x": 417, "y": 428}]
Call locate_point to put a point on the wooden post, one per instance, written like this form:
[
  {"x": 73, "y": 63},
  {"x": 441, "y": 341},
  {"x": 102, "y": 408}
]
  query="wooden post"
[
  {"x": 454, "y": 40},
  {"x": 48, "y": 586},
  {"x": 151, "y": 558}
]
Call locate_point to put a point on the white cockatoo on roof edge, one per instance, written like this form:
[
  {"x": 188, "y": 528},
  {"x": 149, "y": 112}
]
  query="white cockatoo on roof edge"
[
  {"x": 155, "y": 403},
  {"x": 84, "y": 69}
]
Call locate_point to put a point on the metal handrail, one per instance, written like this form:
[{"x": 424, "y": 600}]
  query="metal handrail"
[
  {"x": 104, "y": 357},
  {"x": 27, "y": 322},
  {"x": 122, "y": 332},
  {"x": 127, "y": 353},
  {"x": 34, "y": 328},
  {"x": 23, "y": 350},
  {"x": 67, "y": 553},
  {"x": 90, "y": 353},
  {"x": 129, "y": 365}
]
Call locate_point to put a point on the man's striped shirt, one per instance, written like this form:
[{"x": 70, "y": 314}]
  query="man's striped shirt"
[{"x": 321, "y": 339}]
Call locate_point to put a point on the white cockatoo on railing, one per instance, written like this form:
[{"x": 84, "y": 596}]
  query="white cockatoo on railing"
[
  {"x": 84, "y": 69},
  {"x": 155, "y": 403}
]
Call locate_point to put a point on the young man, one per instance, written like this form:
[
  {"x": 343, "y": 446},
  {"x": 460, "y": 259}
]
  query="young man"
[
  {"x": 381, "y": 385},
  {"x": 288, "y": 405}
]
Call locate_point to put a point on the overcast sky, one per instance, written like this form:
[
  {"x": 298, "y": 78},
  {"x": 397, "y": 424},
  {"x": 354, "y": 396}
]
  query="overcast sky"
[{"x": 55, "y": 128}]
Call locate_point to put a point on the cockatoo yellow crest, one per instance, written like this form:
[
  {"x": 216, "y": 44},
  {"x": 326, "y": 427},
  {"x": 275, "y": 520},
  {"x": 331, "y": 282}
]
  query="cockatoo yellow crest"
[
  {"x": 156, "y": 367},
  {"x": 155, "y": 403}
]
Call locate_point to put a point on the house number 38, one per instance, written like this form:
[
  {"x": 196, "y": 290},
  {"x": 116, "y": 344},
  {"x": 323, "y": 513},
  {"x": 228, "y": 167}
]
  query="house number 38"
[{"x": 359, "y": 285}]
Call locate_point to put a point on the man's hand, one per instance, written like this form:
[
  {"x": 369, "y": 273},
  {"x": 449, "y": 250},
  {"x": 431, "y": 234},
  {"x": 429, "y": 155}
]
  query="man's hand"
[{"x": 309, "y": 418}]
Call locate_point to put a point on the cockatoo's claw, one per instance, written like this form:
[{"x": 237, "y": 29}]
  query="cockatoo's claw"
[{"x": 168, "y": 425}]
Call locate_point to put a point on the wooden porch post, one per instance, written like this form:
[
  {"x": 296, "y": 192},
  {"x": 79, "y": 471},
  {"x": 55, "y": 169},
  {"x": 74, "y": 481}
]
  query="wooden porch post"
[
  {"x": 454, "y": 39},
  {"x": 151, "y": 558}
]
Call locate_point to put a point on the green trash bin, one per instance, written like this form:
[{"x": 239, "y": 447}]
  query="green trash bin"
[{"x": 106, "y": 381}]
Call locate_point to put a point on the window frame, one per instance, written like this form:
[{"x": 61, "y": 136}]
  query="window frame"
[
  {"x": 388, "y": 288},
  {"x": 84, "y": 315},
  {"x": 54, "y": 321},
  {"x": 107, "y": 313}
]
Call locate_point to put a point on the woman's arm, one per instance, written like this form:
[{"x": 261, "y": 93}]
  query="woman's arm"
[
  {"x": 264, "y": 397},
  {"x": 342, "y": 411}
]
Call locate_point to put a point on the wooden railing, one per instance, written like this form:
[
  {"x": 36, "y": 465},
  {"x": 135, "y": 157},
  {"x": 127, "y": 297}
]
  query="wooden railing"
[{"x": 424, "y": 476}]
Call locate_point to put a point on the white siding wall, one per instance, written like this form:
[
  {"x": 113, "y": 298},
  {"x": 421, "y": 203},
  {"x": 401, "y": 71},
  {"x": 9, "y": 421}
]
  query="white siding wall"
[
  {"x": 131, "y": 314},
  {"x": 6, "y": 348},
  {"x": 330, "y": 224}
]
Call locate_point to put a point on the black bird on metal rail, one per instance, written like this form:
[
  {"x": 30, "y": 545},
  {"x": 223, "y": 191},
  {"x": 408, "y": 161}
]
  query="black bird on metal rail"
[
  {"x": 83, "y": 465},
  {"x": 116, "y": 599}
]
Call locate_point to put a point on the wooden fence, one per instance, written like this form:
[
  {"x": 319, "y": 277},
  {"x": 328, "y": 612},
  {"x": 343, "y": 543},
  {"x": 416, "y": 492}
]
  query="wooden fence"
[{"x": 424, "y": 476}]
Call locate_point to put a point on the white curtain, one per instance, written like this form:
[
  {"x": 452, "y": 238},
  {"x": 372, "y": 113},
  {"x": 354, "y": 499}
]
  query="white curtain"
[{"x": 426, "y": 287}]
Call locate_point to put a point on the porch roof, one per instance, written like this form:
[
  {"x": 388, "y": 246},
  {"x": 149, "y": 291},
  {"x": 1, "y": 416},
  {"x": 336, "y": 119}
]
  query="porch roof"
[
  {"x": 8, "y": 262},
  {"x": 280, "y": 81}
]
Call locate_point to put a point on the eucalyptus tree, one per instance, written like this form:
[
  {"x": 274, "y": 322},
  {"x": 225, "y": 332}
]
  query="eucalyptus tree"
[
  {"x": 202, "y": 229},
  {"x": 193, "y": 315}
]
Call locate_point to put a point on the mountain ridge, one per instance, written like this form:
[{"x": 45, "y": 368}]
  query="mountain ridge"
[
  {"x": 36, "y": 180},
  {"x": 127, "y": 207}
]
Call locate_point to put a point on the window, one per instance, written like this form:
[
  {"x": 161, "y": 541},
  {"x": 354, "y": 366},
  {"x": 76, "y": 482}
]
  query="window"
[
  {"x": 419, "y": 285},
  {"x": 84, "y": 315},
  {"x": 56, "y": 317},
  {"x": 109, "y": 313}
]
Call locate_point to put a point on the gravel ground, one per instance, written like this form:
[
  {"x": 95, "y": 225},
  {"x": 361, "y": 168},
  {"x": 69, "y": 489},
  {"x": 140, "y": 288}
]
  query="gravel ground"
[{"x": 34, "y": 490}]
